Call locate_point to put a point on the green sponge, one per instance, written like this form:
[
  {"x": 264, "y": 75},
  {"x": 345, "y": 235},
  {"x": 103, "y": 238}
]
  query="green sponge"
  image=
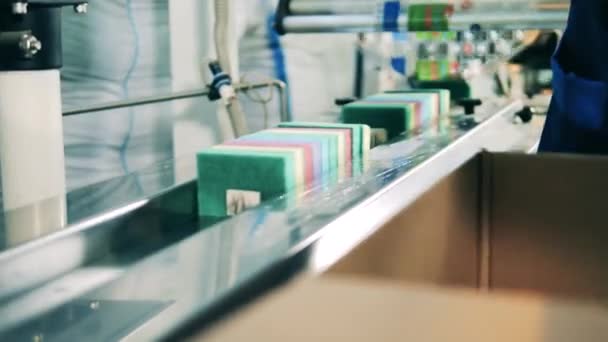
[
  {"x": 337, "y": 147},
  {"x": 444, "y": 97},
  {"x": 360, "y": 136},
  {"x": 458, "y": 88},
  {"x": 306, "y": 164},
  {"x": 253, "y": 174},
  {"x": 299, "y": 166},
  {"x": 324, "y": 142},
  {"x": 360, "y": 133},
  {"x": 414, "y": 117},
  {"x": 430, "y": 102},
  {"x": 329, "y": 143},
  {"x": 314, "y": 150},
  {"x": 395, "y": 118}
]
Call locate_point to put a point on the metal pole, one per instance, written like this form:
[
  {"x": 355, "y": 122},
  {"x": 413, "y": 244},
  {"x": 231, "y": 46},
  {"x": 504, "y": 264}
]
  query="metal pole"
[
  {"x": 280, "y": 86},
  {"x": 311, "y": 7},
  {"x": 510, "y": 20},
  {"x": 346, "y": 7}
]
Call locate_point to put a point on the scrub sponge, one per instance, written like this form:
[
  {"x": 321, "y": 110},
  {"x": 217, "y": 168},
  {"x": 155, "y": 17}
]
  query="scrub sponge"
[
  {"x": 307, "y": 149},
  {"x": 222, "y": 181},
  {"x": 318, "y": 147},
  {"x": 398, "y": 111},
  {"x": 254, "y": 168},
  {"x": 429, "y": 102},
  {"x": 395, "y": 118},
  {"x": 359, "y": 133},
  {"x": 360, "y": 137},
  {"x": 339, "y": 142},
  {"x": 444, "y": 97}
]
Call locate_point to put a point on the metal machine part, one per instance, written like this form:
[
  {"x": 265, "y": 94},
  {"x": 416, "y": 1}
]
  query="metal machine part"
[
  {"x": 278, "y": 85},
  {"x": 31, "y": 134},
  {"x": 233, "y": 107},
  {"x": 108, "y": 320},
  {"x": 302, "y": 16},
  {"x": 30, "y": 33},
  {"x": 458, "y": 22},
  {"x": 315, "y": 7},
  {"x": 221, "y": 88},
  {"x": 204, "y": 269}
]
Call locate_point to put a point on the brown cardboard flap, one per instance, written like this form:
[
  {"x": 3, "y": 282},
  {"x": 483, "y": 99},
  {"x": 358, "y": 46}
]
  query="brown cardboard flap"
[
  {"x": 537, "y": 223},
  {"x": 435, "y": 240},
  {"x": 501, "y": 221},
  {"x": 349, "y": 309},
  {"x": 549, "y": 223}
]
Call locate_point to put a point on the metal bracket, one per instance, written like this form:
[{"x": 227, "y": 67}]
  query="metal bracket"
[{"x": 30, "y": 33}]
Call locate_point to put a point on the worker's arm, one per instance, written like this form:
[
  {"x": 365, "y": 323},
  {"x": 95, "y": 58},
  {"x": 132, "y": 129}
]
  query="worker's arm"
[{"x": 578, "y": 116}]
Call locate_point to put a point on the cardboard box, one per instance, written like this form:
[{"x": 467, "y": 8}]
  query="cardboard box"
[
  {"x": 507, "y": 248},
  {"x": 502, "y": 221},
  {"x": 342, "y": 309}
]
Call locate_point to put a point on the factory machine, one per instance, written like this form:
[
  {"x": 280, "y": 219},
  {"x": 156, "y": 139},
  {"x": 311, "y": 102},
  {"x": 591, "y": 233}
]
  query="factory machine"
[{"x": 425, "y": 207}]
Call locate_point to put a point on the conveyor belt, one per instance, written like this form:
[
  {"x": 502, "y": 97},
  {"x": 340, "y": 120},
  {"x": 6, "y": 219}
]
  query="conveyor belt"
[{"x": 154, "y": 249}]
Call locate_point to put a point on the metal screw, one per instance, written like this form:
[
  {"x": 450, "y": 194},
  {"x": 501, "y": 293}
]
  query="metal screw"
[
  {"x": 19, "y": 7},
  {"x": 94, "y": 305},
  {"x": 81, "y": 8},
  {"x": 30, "y": 45}
]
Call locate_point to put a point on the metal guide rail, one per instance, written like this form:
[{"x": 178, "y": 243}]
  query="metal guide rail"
[
  {"x": 311, "y": 16},
  {"x": 278, "y": 85},
  {"x": 149, "y": 268}
]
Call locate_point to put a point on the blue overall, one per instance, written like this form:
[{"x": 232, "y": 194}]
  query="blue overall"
[{"x": 576, "y": 122}]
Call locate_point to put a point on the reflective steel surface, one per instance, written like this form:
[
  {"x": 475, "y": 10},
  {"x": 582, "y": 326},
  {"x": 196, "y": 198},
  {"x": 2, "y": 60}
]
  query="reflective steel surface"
[{"x": 152, "y": 255}]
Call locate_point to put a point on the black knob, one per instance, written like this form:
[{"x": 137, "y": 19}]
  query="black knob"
[
  {"x": 344, "y": 101},
  {"x": 469, "y": 105},
  {"x": 215, "y": 67},
  {"x": 475, "y": 28},
  {"x": 525, "y": 114},
  {"x": 220, "y": 79}
]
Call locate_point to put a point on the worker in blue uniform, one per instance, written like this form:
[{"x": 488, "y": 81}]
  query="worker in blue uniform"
[{"x": 577, "y": 118}]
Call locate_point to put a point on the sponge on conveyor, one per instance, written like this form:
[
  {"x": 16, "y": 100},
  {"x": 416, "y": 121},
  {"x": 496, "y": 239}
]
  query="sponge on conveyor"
[
  {"x": 324, "y": 162},
  {"x": 395, "y": 118},
  {"x": 319, "y": 148},
  {"x": 395, "y": 112},
  {"x": 458, "y": 87},
  {"x": 414, "y": 117},
  {"x": 244, "y": 172},
  {"x": 307, "y": 150},
  {"x": 339, "y": 148},
  {"x": 360, "y": 137},
  {"x": 444, "y": 97},
  {"x": 298, "y": 160},
  {"x": 359, "y": 133},
  {"x": 430, "y": 102},
  {"x": 246, "y": 175}
]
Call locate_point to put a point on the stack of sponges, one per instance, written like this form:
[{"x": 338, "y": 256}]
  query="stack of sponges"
[
  {"x": 291, "y": 157},
  {"x": 399, "y": 111}
]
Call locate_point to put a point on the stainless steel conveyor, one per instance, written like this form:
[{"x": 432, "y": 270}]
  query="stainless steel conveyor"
[{"x": 144, "y": 267}]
